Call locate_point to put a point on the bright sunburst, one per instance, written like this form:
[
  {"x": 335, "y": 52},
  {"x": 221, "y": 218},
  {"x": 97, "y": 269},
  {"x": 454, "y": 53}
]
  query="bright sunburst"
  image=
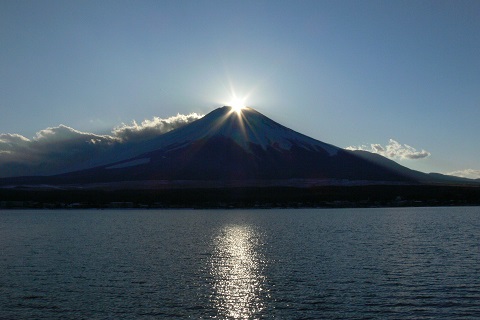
[{"x": 237, "y": 104}]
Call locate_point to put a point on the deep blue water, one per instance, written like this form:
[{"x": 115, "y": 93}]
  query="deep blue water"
[{"x": 412, "y": 263}]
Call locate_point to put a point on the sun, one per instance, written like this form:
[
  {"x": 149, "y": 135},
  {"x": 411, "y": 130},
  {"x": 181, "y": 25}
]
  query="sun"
[
  {"x": 238, "y": 108},
  {"x": 237, "y": 105}
]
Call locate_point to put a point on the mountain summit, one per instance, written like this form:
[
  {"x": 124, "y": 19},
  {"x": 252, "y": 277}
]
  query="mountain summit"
[
  {"x": 226, "y": 146},
  {"x": 247, "y": 128}
]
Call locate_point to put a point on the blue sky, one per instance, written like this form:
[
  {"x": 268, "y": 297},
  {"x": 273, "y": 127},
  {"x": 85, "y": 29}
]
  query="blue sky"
[{"x": 349, "y": 73}]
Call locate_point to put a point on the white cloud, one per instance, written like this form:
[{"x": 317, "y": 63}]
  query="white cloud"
[
  {"x": 393, "y": 150},
  {"x": 10, "y": 141},
  {"x": 55, "y": 149},
  {"x": 150, "y": 128},
  {"x": 467, "y": 173}
]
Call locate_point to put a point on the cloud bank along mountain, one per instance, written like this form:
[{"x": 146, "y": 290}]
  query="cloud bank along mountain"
[
  {"x": 467, "y": 173},
  {"x": 62, "y": 148},
  {"x": 393, "y": 150},
  {"x": 397, "y": 151}
]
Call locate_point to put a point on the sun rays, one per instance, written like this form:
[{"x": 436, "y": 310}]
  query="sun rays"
[
  {"x": 237, "y": 108},
  {"x": 238, "y": 99},
  {"x": 238, "y": 115},
  {"x": 237, "y": 104}
]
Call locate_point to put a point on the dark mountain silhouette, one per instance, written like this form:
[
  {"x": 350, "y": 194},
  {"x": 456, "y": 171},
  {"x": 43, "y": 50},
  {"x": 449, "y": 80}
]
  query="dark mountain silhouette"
[{"x": 229, "y": 146}]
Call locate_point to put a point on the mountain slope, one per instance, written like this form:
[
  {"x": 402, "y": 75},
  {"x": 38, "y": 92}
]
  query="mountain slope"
[
  {"x": 225, "y": 145},
  {"x": 229, "y": 146}
]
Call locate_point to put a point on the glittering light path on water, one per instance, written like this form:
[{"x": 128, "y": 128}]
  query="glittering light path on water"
[{"x": 236, "y": 268}]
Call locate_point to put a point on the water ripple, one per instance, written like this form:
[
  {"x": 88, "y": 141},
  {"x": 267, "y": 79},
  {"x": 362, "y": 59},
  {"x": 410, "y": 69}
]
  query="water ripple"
[{"x": 412, "y": 263}]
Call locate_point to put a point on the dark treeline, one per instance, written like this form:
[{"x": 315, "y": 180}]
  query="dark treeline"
[{"x": 333, "y": 196}]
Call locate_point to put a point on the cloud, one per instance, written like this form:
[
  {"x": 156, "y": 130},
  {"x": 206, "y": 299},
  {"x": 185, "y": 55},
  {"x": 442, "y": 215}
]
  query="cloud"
[
  {"x": 467, "y": 173},
  {"x": 10, "y": 142},
  {"x": 57, "y": 149},
  {"x": 50, "y": 150},
  {"x": 150, "y": 128},
  {"x": 393, "y": 150}
]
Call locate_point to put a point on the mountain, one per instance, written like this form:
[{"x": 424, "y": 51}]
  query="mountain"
[{"x": 239, "y": 148}]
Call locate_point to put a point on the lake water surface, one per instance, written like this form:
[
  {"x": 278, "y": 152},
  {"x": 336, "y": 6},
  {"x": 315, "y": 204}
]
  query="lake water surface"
[{"x": 410, "y": 263}]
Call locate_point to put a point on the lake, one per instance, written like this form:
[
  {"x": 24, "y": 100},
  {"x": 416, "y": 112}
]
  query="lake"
[{"x": 403, "y": 263}]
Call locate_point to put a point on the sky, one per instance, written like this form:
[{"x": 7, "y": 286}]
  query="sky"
[{"x": 400, "y": 78}]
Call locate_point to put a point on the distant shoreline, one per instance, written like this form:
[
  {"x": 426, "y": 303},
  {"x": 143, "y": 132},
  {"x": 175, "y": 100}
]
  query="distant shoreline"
[{"x": 367, "y": 196}]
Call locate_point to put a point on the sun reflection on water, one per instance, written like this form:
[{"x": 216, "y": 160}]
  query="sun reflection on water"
[{"x": 236, "y": 268}]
